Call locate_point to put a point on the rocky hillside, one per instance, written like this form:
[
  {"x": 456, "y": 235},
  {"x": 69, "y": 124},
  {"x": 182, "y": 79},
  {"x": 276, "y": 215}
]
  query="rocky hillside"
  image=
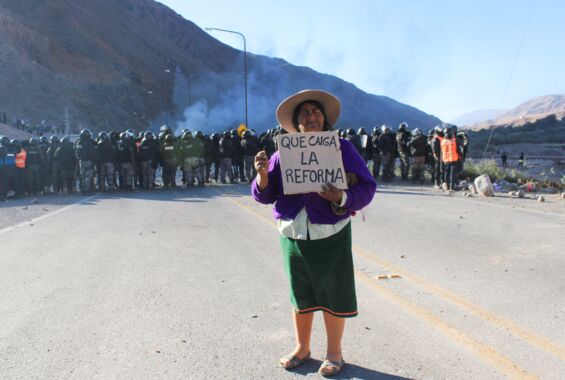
[
  {"x": 136, "y": 63},
  {"x": 528, "y": 112},
  {"x": 476, "y": 117},
  {"x": 13, "y": 133}
]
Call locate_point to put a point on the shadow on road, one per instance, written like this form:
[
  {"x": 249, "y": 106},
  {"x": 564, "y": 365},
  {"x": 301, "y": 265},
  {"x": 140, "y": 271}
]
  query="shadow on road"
[
  {"x": 178, "y": 194},
  {"x": 52, "y": 200},
  {"x": 350, "y": 371}
]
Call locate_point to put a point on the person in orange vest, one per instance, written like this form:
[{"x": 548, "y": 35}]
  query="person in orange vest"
[
  {"x": 451, "y": 153},
  {"x": 20, "y": 177}
]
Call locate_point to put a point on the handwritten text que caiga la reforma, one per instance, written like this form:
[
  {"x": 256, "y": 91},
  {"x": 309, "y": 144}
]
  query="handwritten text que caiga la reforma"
[{"x": 310, "y": 170}]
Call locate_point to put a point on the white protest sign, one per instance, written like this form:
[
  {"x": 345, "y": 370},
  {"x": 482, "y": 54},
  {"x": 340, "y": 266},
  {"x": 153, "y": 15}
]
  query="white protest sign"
[{"x": 309, "y": 160}]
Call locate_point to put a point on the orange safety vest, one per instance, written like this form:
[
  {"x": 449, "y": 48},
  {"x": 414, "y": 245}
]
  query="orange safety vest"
[
  {"x": 449, "y": 152},
  {"x": 21, "y": 159}
]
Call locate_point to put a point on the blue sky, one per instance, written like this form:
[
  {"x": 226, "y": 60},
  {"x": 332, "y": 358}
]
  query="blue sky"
[{"x": 443, "y": 57}]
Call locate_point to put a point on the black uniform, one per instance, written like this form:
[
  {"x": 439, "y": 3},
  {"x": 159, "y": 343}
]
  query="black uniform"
[
  {"x": 35, "y": 161},
  {"x": 402, "y": 139},
  {"x": 387, "y": 148},
  {"x": 64, "y": 158},
  {"x": 376, "y": 154},
  {"x": 54, "y": 169},
  {"x": 418, "y": 150}
]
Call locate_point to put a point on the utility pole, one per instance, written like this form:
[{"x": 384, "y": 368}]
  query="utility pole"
[{"x": 244, "y": 63}]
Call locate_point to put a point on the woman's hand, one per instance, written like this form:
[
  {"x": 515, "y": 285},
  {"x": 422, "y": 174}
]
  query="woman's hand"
[
  {"x": 331, "y": 193},
  {"x": 262, "y": 163},
  {"x": 262, "y": 168}
]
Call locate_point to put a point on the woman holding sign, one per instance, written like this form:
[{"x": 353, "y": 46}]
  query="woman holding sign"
[{"x": 315, "y": 230}]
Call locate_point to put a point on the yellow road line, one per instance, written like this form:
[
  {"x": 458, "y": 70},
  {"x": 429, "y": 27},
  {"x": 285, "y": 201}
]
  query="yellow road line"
[
  {"x": 517, "y": 330},
  {"x": 484, "y": 351},
  {"x": 528, "y": 336}
]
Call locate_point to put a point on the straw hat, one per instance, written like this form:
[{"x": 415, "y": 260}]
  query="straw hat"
[{"x": 285, "y": 110}]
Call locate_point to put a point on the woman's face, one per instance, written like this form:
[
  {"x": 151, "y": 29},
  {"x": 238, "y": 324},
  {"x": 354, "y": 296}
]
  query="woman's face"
[{"x": 310, "y": 118}]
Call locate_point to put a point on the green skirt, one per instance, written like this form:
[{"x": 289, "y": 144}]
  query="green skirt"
[{"x": 321, "y": 275}]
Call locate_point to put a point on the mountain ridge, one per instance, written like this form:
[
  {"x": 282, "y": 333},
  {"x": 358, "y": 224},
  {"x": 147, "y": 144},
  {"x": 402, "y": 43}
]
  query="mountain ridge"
[
  {"x": 527, "y": 112},
  {"x": 119, "y": 64}
]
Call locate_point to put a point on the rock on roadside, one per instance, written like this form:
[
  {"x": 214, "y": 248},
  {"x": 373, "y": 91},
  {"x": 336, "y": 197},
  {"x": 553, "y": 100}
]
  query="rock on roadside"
[{"x": 484, "y": 186}]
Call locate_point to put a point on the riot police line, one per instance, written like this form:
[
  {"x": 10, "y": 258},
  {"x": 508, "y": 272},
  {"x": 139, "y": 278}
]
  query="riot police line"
[
  {"x": 125, "y": 161},
  {"x": 441, "y": 153}
]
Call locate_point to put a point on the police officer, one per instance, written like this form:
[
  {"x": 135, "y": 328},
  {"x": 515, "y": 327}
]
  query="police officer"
[
  {"x": 365, "y": 144},
  {"x": 138, "y": 181},
  {"x": 451, "y": 152},
  {"x": 207, "y": 143},
  {"x": 402, "y": 139},
  {"x": 54, "y": 171},
  {"x": 191, "y": 150},
  {"x": 250, "y": 148},
  {"x": 35, "y": 161},
  {"x": 387, "y": 147},
  {"x": 106, "y": 159},
  {"x": 181, "y": 162},
  {"x": 215, "y": 155},
  {"x": 226, "y": 156},
  {"x": 430, "y": 161},
  {"x": 436, "y": 151},
  {"x": 46, "y": 168},
  {"x": 202, "y": 158},
  {"x": 169, "y": 152},
  {"x": 376, "y": 152},
  {"x": 463, "y": 141},
  {"x": 164, "y": 130},
  {"x": 126, "y": 160},
  {"x": 356, "y": 141},
  {"x": 9, "y": 169},
  {"x": 418, "y": 149},
  {"x": 85, "y": 151},
  {"x": 3, "y": 154},
  {"x": 148, "y": 156},
  {"x": 65, "y": 159},
  {"x": 267, "y": 143},
  {"x": 20, "y": 155},
  {"x": 237, "y": 159}
]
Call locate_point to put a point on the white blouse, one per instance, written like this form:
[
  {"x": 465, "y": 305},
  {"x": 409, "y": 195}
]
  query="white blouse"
[{"x": 299, "y": 227}]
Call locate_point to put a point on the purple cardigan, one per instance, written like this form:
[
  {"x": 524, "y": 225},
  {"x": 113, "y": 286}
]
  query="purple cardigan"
[{"x": 317, "y": 208}]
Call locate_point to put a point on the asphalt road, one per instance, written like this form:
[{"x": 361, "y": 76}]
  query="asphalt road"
[{"x": 189, "y": 284}]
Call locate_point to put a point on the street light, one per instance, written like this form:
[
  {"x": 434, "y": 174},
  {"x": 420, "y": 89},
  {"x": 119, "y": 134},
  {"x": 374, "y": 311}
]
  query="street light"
[{"x": 244, "y": 63}]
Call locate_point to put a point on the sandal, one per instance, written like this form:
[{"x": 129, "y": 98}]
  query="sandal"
[
  {"x": 293, "y": 361},
  {"x": 331, "y": 368}
]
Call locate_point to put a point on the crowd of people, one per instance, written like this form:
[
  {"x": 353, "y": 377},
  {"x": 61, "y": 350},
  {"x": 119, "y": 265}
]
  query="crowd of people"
[
  {"x": 441, "y": 153},
  {"x": 125, "y": 161}
]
